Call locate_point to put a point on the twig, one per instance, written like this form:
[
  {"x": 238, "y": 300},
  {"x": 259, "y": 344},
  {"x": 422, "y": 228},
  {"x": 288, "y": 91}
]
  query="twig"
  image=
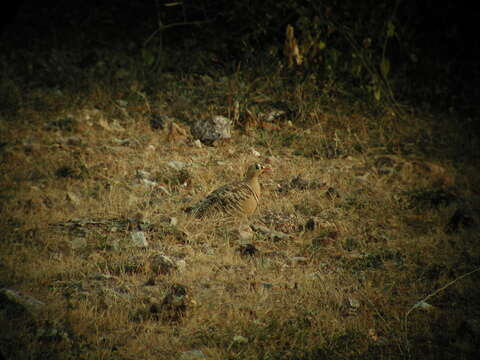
[
  {"x": 416, "y": 305},
  {"x": 200, "y": 22}
]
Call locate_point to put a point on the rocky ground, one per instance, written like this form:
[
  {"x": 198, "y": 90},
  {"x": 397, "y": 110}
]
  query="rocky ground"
[{"x": 365, "y": 244}]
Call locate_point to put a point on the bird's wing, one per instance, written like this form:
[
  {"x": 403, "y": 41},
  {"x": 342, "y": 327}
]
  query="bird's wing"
[{"x": 229, "y": 198}]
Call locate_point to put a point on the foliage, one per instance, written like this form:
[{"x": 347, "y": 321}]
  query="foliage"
[{"x": 348, "y": 42}]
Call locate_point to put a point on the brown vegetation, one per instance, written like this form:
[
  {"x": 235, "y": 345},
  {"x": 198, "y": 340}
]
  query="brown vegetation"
[{"x": 357, "y": 209}]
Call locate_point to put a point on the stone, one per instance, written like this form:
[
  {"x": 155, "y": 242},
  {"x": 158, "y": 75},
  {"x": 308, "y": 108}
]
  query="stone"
[
  {"x": 192, "y": 355},
  {"x": 162, "y": 264},
  {"x": 27, "y": 302},
  {"x": 176, "y": 165},
  {"x": 210, "y": 130},
  {"x": 139, "y": 239},
  {"x": 78, "y": 243}
]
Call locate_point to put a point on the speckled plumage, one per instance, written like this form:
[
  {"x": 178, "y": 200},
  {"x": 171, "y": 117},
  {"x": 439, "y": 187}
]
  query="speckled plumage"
[{"x": 238, "y": 199}]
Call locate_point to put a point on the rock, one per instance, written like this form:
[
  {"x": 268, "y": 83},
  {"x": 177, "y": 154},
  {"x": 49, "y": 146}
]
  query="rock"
[
  {"x": 176, "y": 165},
  {"x": 197, "y": 143},
  {"x": 173, "y": 221},
  {"x": 213, "y": 129},
  {"x": 72, "y": 198},
  {"x": 181, "y": 265},
  {"x": 139, "y": 239},
  {"x": 192, "y": 355},
  {"x": 28, "y": 303},
  {"x": 353, "y": 303},
  {"x": 245, "y": 233},
  {"x": 78, "y": 243},
  {"x": 162, "y": 264},
  {"x": 116, "y": 244}
]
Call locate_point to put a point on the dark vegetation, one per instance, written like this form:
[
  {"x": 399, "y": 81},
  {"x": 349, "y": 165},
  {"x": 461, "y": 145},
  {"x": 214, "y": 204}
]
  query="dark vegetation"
[{"x": 374, "y": 203}]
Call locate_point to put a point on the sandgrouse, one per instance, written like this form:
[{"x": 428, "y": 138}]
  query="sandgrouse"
[{"x": 238, "y": 200}]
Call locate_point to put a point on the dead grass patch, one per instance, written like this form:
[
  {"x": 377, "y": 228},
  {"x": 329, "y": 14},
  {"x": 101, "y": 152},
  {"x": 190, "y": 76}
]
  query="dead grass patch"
[{"x": 365, "y": 242}]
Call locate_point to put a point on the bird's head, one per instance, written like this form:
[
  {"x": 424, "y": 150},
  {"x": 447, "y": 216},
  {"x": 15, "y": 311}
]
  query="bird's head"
[{"x": 256, "y": 170}]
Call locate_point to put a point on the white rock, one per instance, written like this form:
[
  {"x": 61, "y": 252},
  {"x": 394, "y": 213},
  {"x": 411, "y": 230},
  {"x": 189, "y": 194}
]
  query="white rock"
[
  {"x": 354, "y": 303},
  {"x": 177, "y": 165},
  {"x": 245, "y": 233},
  {"x": 192, "y": 355},
  {"x": 162, "y": 264},
  {"x": 139, "y": 239},
  {"x": 197, "y": 143},
  {"x": 74, "y": 199},
  {"x": 181, "y": 265},
  {"x": 78, "y": 243}
]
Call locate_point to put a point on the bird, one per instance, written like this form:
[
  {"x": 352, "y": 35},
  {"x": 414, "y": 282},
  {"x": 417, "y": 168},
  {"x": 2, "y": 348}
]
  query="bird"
[{"x": 237, "y": 200}]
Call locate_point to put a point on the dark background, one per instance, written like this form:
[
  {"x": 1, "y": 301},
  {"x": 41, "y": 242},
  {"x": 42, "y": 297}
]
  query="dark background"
[{"x": 442, "y": 35}]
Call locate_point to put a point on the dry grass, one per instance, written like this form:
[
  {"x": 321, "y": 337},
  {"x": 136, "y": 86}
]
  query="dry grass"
[{"x": 339, "y": 289}]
